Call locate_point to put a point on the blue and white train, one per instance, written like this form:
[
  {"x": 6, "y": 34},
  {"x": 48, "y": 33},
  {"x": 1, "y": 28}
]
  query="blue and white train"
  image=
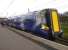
[{"x": 44, "y": 23}]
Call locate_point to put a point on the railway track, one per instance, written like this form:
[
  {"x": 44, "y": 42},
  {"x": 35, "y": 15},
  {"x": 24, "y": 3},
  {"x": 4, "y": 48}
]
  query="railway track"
[{"x": 61, "y": 40}]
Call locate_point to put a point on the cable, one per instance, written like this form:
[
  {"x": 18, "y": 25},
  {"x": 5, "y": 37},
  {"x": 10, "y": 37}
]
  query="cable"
[{"x": 12, "y": 1}]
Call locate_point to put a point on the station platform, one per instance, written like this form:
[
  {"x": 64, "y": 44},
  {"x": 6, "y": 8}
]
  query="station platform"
[{"x": 20, "y": 40}]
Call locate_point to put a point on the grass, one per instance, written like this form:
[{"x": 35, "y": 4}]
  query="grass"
[{"x": 65, "y": 30}]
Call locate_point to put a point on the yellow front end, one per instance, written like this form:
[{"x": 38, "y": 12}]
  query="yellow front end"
[{"x": 55, "y": 21}]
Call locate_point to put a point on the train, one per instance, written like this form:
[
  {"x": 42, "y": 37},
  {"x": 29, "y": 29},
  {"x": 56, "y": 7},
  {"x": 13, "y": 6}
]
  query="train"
[{"x": 44, "y": 23}]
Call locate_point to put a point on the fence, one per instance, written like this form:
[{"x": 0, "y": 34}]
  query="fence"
[{"x": 64, "y": 25}]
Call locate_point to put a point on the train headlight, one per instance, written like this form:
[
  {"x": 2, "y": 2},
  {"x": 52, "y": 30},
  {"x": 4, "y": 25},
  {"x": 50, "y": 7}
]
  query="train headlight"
[{"x": 44, "y": 27}]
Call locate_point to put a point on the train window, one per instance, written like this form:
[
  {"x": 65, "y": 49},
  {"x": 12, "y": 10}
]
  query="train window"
[
  {"x": 41, "y": 19},
  {"x": 44, "y": 27}
]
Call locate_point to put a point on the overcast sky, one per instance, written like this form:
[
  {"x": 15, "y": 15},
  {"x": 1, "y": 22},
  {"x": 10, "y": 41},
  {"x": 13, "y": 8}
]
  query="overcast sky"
[{"x": 17, "y": 7}]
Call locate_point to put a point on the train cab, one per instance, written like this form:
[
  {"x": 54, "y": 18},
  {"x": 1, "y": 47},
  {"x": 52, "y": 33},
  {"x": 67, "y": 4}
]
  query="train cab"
[{"x": 48, "y": 24}]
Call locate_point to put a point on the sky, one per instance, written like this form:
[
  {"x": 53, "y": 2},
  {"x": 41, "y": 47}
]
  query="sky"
[{"x": 18, "y": 7}]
